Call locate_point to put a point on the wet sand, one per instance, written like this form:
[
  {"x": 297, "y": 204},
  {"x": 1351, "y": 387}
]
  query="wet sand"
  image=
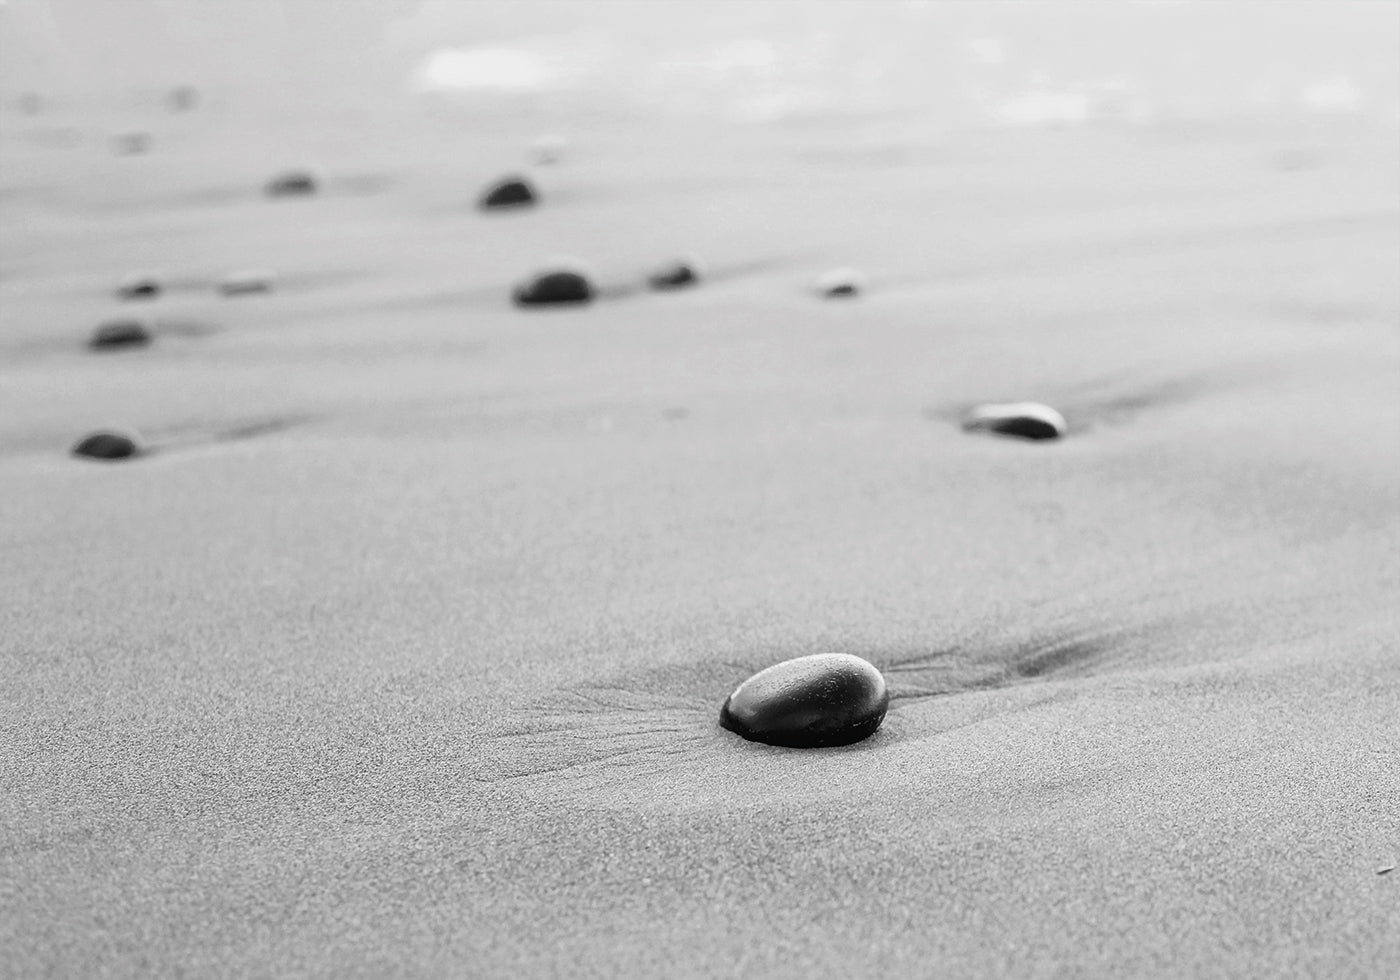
[{"x": 402, "y": 652}]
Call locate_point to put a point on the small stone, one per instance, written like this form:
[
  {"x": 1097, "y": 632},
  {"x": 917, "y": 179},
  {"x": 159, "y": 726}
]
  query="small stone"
[
  {"x": 1029, "y": 420},
  {"x": 560, "y": 285},
  {"x": 246, "y": 282},
  {"x": 132, "y": 144},
  {"x": 120, "y": 333},
  {"x": 30, "y": 103},
  {"x": 841, "y": 282},
  {"x": 508, "y": 192},
  {"x": 293, "y": 183},
  {"x": 676, "y": 275},
  {"x": 820, "y": 700},
  {"x": 109, "y": 444},
  {"x": 140, "y": 287}
]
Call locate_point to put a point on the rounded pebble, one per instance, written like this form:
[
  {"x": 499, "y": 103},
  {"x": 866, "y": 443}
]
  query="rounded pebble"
[
  {"x": 820, "y": 700},
  {"x": 676, "y": 275},
  {"x": 508, "y": 192},
  {"x": 1028, "y": 420},
  {"x": 139, "y": 288},
  {"x": 120, "y": 333},
  {"x": 109, "y": 444},
  {"x": 564, "y": 284},
  {"x": 292, "y": 183},
  {"x": 247, "y": 281},
  {"x": 841, "y": 282}
]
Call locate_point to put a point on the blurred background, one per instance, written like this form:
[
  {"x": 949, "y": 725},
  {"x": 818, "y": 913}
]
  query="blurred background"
[{"x": 1010, "y": 63}]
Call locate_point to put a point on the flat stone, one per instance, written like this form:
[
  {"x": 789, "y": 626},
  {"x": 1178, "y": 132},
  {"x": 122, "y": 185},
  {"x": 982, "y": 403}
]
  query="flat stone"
[
  {"x": 508, "y": 192},
  {"x": 109, "y": 444},
  {"x": 1028, "y": 420},
  {"x": 675, "y": 275},
  {"x": 120, "y": 333},
  {"x": 841, "y": 282},
  {"x": 247, "y": 281},
  {"x": 139, "y": 288},
  {"x": 292, "y": 183},
  {"x": 820, "y": 700},
  {"x": 559, "y": 285}
]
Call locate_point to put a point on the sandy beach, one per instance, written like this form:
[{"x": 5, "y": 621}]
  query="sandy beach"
[{"x": 402, "y": 651}]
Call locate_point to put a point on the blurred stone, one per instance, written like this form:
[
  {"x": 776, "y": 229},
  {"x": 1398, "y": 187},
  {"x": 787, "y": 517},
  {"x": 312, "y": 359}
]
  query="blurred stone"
[
  {"x": 292, "y": 183},
  {"x": 1028, "y": 420},
  {"x": 182, "y": 98},
  {"x": 109, "y": 444},
  {"x": 132, "y": 144},
  {"x": 566, "y": 284},
  {"x": 841, "y": 282},
  {"x": 247, "y": 281},
  {"x": 120, "y": 333},
  {"x": 508, "y": 192},
  {"x": 547, "y": 149},
  {"x": 676, "y": 275},
  {"x": 138, "y": 288},
  {"x": 821, "y": 700},
  {"x": 30, "y": 103}
]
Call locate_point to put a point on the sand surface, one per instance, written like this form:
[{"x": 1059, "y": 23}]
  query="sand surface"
[{"x": 403, "y": 653}]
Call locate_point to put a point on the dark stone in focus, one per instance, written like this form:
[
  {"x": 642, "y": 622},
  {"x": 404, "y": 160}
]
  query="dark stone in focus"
[
  {"x": 508, "y": 192},
  {"x": 810, "y": 702},
  {"x": 293, "y": 183},
  {"x": 109, "y": 444},
  {"x": 120, "y": 333},
  {"x": 674, "y": 276},
  {"x": 561, "y": 286},
  {"x": 132, "y": 144},
  {"x": 1028, "y": 420},
  {"x": 139, "y": 289}
]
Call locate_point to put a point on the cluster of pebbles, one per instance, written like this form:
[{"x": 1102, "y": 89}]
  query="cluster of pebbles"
[{"x": 817, "y": 701}]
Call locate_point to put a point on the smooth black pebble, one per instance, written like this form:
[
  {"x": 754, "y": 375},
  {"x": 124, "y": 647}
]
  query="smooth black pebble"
[
  {"x": 109, "y": 444},
  {"x": 293, "y": 183},
  {"x": 1028, "y": 420},
  {"x": 559, "y": 286},
  {"x": 138, "y": 289},
  {"x": 508, "y": 192},
  {"x": 120, "y": 333},
  {"x": 675, "y": 276},
  {"x": 821, "y": 700}
]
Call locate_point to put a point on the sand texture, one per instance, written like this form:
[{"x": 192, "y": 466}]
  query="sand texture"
[{"x": 401, "y": 651}]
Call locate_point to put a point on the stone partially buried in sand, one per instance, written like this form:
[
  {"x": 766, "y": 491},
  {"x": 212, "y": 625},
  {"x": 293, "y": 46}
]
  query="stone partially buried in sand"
[
  {"x": 1027, "y": 420},
  {"x": 820, "y": 700},
  {"x": 841, "y": 282},
  {"x": 675, "y": 275},
  {"x": 508, "y": 192},
  {"x": 292, "y": 183},
  {"x": 561, "y": 283},
  {"x": 118, "y": 334},
  {"x": 109, "y": 444}
]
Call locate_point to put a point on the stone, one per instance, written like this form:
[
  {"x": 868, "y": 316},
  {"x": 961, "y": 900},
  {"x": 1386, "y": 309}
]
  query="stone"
[
  {"x": 182, "y": 98},
  {"x": 841, "y": 282},
  {"x": 292, "y": 183},
  {"x": 109, "y": 444},
  {"x": 247, "y": 282},
  {"x": 820, "y": 700},
  {"x": 676, "y": 275},
  {"x": 30, "y": 103},
  {"x": 120, "y": 333},
  {"x": 1028, "y": 420},
  {"x": 508, "y": 192},
  {"x": 562, "y": 284},
  {"x": 140, "y": 287}
]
